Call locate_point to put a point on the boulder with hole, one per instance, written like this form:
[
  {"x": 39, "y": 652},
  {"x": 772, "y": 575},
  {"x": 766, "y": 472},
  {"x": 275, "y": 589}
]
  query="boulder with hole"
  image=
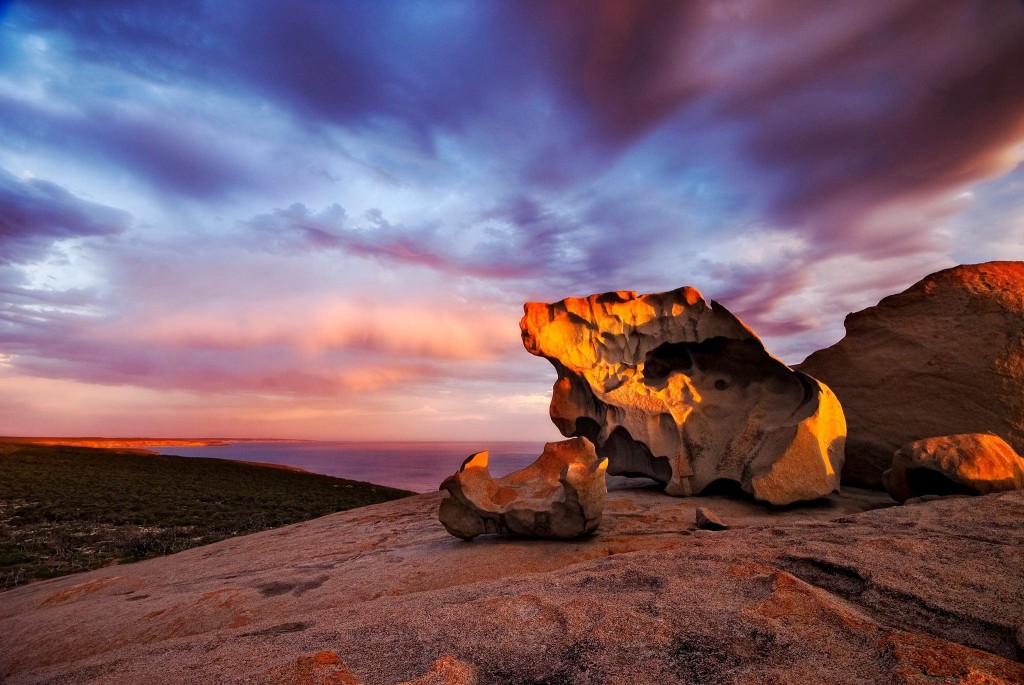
[{"x": 675, "y": 388}]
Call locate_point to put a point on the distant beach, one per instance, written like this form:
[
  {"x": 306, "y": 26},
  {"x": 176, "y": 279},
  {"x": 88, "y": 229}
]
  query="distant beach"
[{"x": 416, "y": 466}]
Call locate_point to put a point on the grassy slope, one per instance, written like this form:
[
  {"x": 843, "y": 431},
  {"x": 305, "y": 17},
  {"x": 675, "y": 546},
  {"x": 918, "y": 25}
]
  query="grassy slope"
[{"x": 66, "y": 509}]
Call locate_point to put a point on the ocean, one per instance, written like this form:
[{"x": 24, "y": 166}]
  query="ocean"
[{"x": 416, "y": 466}]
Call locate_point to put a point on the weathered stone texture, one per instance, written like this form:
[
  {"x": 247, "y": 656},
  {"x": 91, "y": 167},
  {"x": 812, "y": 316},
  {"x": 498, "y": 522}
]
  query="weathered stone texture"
[
  {"x": 968, "y": 464},
  {"x": 946, "y": 356},
  {"x": 561, "y": 495},
  {"x": 922, "y": 594},
  {"x": 671, "y": 387}
]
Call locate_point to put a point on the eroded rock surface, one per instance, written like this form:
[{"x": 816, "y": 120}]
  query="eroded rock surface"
[
  {"x": 969, "y": 464},
  {"x": 946, "y": 356},
  {"x": 561, "y": 495},
  {"x": 822, "y": 593},
  {"x": 327, "y": 668},
  {"x": 709, "y": 520},
  {"x": 679, "y": 390}
]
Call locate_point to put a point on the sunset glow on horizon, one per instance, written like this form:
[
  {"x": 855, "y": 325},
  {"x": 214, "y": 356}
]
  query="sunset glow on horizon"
[{"x": 322, "y": 220}]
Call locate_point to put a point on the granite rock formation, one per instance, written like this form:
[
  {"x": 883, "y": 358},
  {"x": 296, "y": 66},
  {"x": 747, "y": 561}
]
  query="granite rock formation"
[
  {"x": 561, "y": 495},
  {"x": 927, "y": 593},
  {"x": 969, "y": 464},
  {"x": 671, "y": 387},
  {"x": 945, "y": 356}
]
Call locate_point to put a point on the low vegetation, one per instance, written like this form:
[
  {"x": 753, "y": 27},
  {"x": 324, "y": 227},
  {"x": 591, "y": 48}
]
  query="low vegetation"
[{"x": 67, "y": 509}]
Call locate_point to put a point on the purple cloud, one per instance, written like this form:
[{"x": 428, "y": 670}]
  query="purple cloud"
[
  {"x": 416, "y": 64},
  {"x": 837, "y": 110},
  {"x": 340, "y": 199},
  {"x": 174, "y": 156},
  {"x": 35, "y": 213}
]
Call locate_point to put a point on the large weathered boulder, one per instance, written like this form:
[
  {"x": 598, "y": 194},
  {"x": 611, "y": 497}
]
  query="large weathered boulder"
[
  {"x": 969, "y": 464},
  {"x": 561, "y": 495},
  {"x": 945, "y": 356},
  {"x": 671, "y": 387}
]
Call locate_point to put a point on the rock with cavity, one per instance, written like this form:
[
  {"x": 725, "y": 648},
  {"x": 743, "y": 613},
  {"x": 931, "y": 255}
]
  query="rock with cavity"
[
  {"x": 968, "y": 464},
  {"x": 946, "y": 356},
  {"x": 561, "y": 495},
  {"x": 671, "y": 387}
]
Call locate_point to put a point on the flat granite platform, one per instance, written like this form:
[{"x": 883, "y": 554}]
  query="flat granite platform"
[{"x": 850, "y": 589}]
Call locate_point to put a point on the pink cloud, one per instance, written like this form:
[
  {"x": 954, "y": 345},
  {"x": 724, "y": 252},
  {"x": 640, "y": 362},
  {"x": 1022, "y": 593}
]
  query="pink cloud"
[{"x": 794, "y": 160}]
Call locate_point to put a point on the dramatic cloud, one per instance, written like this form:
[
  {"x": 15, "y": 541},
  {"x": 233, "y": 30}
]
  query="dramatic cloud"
[
  {"x": 322, "y": 219},
  {"x": 35, "y": 213}
]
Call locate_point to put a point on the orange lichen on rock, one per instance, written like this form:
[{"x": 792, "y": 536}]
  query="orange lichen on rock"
[
  {"x": 78, "y": 591},
  {"x": 561, "y": 495},
  {"x": 322, "y": 668},
  {"x": 669, "y": 386},
  {"x": 922, "y": 660},
  {"x": 447, "y": 671},
  {"x": 327, "y": 668},
  {"x": 326, "y": 658}
]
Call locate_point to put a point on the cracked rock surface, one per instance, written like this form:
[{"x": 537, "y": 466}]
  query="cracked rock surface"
[
  {"x": 851, "y": 589},
  {"x": 670, "y": 386}
]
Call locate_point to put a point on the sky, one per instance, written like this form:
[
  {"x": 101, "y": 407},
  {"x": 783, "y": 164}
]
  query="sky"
[{"x": 251, "y": 218}]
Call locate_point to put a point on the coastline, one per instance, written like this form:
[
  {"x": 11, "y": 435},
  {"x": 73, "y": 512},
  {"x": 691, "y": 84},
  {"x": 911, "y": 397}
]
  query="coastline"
[
  {"x": 418, "y": 466},
  {"x": 415, "y": 466},
  {"x": 66, "y": 509},
  {"x": 115, "y": 443}
]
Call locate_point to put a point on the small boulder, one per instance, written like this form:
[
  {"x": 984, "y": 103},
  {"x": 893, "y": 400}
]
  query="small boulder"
[
  {"x": 709, "y": 520},
  {"x": 561, "y": 495},
  {"x": 966, "y": 464}
]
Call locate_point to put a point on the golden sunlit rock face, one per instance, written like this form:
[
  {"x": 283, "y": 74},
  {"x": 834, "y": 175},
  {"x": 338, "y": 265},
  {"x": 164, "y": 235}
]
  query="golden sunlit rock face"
[
  {"x": 561, "y": 495},
  {"x": 671, "y": 387},
  {"x": 970, "y": 464}
]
